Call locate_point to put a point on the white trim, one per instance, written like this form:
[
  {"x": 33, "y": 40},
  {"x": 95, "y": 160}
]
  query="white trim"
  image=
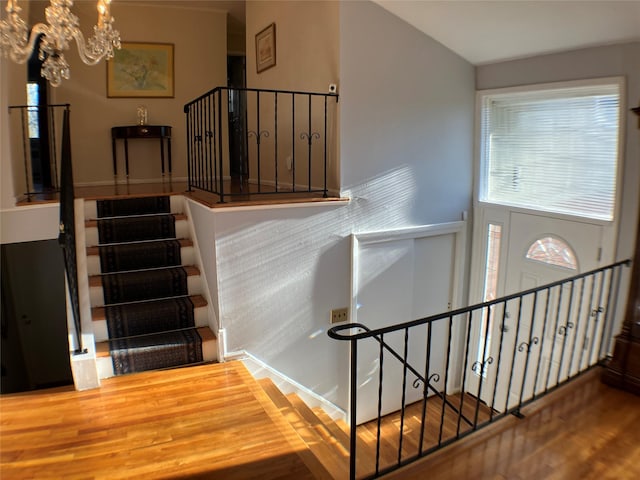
[
  {"x": 286, "y": 385},
  {"x": 213, "y": 319},
  {"x": 231, "y": 208}
]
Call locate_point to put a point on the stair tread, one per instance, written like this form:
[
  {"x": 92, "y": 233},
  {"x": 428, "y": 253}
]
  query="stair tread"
[
  {"x": 93, "y": 222},
  {"x": 96, "y": 280},
  {"x": 98, "y": 313},
  {"x": 331, "y": 457},
  {"x": 95, "y": 250},
  {"x": 102, "y": 348}
]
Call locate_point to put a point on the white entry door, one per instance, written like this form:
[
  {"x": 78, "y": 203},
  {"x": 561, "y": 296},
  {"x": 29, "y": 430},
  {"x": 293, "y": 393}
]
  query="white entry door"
[{"x": 535, "y": 342}]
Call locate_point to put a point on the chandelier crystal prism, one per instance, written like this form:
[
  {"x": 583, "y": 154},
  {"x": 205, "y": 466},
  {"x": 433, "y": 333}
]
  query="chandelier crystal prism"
[{"x": 17, "y": 43}]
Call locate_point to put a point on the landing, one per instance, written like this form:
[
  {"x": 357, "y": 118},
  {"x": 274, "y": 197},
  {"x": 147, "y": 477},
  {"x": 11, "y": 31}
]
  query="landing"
[{"x": 180, "y": 188}]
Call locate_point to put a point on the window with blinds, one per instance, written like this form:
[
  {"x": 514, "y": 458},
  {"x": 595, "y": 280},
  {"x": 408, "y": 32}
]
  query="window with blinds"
[{"x": 552, "y": 149}]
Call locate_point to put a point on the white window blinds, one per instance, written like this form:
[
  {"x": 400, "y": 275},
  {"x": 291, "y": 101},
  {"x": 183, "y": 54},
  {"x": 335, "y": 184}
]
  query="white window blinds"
[{"x": 552, "y": 149}]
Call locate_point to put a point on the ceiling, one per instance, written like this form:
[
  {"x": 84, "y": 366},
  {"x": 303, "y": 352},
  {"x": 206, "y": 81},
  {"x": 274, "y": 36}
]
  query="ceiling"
[
  {"x": 484, "y": 31},
  {"x": 491, "y": 31}
]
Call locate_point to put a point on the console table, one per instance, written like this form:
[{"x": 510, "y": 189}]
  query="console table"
[{"x": 140, "y": 131}]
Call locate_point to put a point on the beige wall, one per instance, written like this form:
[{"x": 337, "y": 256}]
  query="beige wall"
[
  {"x": 307, "y": 59},
  {"x": 199, "y": 37}
]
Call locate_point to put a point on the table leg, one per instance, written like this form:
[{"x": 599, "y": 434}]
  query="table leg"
[
  {"x": 115, "y": 162},
  {"x": 162, "y": 154},
  {"x": 126, "y": 157},
  {"x": 169, "y": 152}
]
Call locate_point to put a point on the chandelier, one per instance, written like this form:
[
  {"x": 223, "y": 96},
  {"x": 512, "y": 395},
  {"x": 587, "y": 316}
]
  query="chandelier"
[{"x": 62, "y": 27}]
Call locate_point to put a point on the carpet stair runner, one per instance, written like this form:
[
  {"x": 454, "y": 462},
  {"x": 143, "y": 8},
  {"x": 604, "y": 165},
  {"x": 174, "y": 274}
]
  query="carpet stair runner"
[{"x": 147, "y": 310}]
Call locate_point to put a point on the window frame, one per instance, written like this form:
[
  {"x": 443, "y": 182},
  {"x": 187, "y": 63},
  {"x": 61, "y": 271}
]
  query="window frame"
[{"x": 478, "y": 144}]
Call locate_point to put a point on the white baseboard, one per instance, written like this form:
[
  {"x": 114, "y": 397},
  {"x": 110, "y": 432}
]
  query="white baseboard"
[{"x": 286, "y": 385}]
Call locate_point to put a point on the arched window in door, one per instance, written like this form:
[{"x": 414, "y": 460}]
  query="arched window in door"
[{"x": 552, "y": 251}]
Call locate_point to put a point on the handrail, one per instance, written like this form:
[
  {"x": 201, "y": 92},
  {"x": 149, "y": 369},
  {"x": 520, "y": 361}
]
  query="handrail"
[
  {"x": 259, "y": 141},
  {"x": 265, "y": 90},
  {"x": 67, "y": 237},
  {"x": 333, "y": 331},
  {"x": 419, "y": 378},
  {"x": 562, "y": 329}
]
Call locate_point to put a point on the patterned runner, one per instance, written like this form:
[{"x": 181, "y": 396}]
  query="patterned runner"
[
  {"x": 150, "y": 352},
  {"x": 145, "y": 285},
  {"x": 138, "y": 256},
  {"x": 149, "y": 317},
  {"x": 133, "y": 229}
]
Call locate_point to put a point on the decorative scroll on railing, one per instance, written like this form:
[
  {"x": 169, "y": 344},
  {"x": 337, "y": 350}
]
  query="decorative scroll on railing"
[
  {"x": 472, "y": 366},
  {"x": 255, "y": 141},
  {"x": 39, "y": 129},
  {"x": 67, "y": 236}
]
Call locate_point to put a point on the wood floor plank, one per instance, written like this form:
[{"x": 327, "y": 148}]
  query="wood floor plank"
[
  {"x": 194, "y": 421},
  {"x": 215, "y": 421}
]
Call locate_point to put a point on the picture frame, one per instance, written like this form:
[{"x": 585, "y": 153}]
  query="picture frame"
[
  {"x": 141, "y": 70},
  {"x": 266, "y": 48}
]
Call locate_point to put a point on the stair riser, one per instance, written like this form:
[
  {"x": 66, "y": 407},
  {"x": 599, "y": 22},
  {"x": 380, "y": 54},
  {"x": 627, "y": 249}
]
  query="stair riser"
[
  {"x": 105, "y": 364},
  {"x": 194, "y": 287},
  {"x": 91, "y": 208},
  {"x": 100, "y": 331},
  {"x": 91, "y": 233},
  {"x": 187, "y": 255}
]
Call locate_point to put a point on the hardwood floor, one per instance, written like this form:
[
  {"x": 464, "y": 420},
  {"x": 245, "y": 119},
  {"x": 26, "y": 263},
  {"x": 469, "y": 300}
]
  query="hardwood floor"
[
  {"x": 199, "y": 422},
  {"x": 215, "y": 421},
  {"x": 584, "y": 430}
]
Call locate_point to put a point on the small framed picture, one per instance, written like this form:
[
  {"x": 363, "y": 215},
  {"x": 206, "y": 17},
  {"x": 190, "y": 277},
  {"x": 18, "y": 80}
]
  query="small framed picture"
[
  {"x": 141, "y": 70},
  {"x": 266, "y": 48}
]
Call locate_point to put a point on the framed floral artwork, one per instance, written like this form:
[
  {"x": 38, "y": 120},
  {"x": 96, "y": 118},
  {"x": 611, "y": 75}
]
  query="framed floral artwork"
[{"x": 141, "y": 70}]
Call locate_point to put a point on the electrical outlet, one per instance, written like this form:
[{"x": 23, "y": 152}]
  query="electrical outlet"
[{"x": 339, "y": 315}]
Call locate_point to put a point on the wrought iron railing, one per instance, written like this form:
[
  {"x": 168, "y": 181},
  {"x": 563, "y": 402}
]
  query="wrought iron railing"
[
  {"x": 441, "y": 378},
  {"x": 67, "y": 236},
  {"x": 39, "y": 128},
  {"x": 255, "y": 141}
]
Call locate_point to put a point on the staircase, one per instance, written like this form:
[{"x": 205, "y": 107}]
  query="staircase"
[
  {"x": 328, "y": 439},
  {"x": 147, "y": 309}
]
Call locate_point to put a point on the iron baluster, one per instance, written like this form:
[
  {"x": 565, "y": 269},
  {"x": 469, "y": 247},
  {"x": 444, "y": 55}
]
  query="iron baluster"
[
  {"x": 596, "y": 315},
  {"x": 486, "y": 361},
  {"x": 513, "y": 360},
  {"x": 578, "y": 324},
  {"x": 275, "y": 138},
  {"x": 532, "y": 341},
  {"x": 446, "y": 379},
  {"x": 325, "y": 148},
  {"x": 404, "y": 391},
  {"x": 353, "y": 392},
  {"x": 544, "y": 332},
  {"x": 606, "y": 340},
  {"x": 586, "y": 328},
  {"x": 219, "y": 136},
  {"x": 553, "y": 343},
  {"x": 293, "y": 143},
  {"x": 379, "y": 421},
  {"x": 464, "y": 369},
  {"x": 427, "y": 361},
  {"x": 592, "y": 320},
  {"x": 569, "y": 325},
  {"x": 496, "y": 381}
]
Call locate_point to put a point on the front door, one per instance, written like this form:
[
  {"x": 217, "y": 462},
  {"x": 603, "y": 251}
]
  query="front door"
[{"x": 539, "y": 340}]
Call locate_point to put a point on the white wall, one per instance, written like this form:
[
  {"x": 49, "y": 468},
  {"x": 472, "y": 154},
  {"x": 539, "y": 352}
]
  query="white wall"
[
  {"x": 580, "y": 64},
  {"x": 406, "y": 150}
]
